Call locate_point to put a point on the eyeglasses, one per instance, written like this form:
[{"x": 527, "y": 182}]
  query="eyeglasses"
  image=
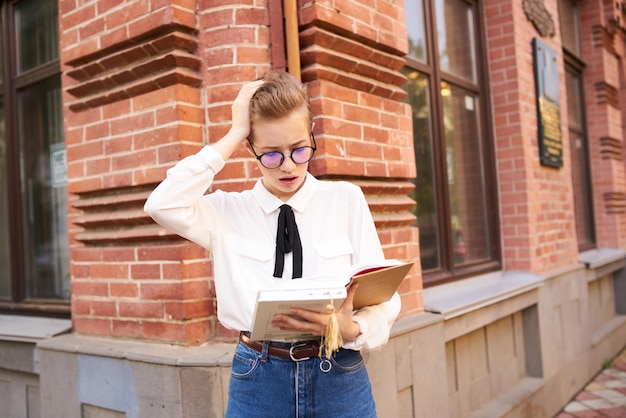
[{"x": 275, "y": 159}]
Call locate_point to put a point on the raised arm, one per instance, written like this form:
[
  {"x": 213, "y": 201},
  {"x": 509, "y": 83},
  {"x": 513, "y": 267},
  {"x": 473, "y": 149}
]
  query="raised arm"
[{"x": 177, "y": 203}]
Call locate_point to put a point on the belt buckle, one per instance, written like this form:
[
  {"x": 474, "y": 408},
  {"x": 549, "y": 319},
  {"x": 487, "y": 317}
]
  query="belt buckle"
[{"x": 291, "y": 352}]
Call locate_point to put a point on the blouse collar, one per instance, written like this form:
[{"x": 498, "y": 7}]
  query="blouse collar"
[{"x": 270, "y": 203}]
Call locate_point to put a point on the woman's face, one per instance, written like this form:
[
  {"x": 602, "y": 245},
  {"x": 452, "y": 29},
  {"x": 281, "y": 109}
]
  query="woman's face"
[{"x": 283, "y": 135}]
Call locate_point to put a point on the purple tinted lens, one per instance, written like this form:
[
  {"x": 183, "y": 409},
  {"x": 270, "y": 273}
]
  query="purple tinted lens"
[
  {"x": 302, "y": 155},
  {"x": 272, "y": 159}
]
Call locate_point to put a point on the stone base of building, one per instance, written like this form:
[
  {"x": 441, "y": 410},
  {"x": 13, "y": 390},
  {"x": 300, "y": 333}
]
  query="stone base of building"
[{"x": 502, "y": 345}]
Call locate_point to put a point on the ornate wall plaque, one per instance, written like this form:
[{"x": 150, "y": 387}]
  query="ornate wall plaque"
[{"x": 541, "y": 19}]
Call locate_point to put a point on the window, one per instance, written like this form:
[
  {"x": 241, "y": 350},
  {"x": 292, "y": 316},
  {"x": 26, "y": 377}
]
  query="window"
[
  {"x": 579, "y": 148},
  {"x": 456, "y": 208},
  {"x": 34, "y": 249}
]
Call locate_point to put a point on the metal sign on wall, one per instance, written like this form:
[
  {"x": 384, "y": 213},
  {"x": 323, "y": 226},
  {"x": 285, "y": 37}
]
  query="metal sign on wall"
[{"x": 548, "y": 102}]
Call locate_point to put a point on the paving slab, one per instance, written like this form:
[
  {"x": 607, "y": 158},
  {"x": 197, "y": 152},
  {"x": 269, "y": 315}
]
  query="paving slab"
[{"x": 604, "y": 396}]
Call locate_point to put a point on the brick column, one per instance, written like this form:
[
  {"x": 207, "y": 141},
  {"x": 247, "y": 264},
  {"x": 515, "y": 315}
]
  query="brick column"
[
  {"x": 352, "y": 53},
  {"x": 603, "y": 51},
  {"x": 132, "y": 105}
]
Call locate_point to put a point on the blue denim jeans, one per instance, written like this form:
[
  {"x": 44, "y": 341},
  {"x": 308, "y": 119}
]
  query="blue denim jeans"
[{"x": 273, "y": 387}]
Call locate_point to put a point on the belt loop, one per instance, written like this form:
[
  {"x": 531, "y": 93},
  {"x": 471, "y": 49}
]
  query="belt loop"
[{"x": 266, "y": 347}]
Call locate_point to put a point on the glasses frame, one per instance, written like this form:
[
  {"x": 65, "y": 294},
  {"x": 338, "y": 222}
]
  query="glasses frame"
[{"x": 282, "y": 154}]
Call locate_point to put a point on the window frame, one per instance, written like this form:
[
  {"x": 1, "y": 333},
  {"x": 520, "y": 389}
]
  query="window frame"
[
  {"x": 448, "y": 271},
  {"x": 574, "y": 65},
  {"x": 10, "y": 85}
]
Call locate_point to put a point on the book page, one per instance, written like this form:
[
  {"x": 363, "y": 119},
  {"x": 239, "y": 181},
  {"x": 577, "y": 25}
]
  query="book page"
[{"x": 363, "y": 268}]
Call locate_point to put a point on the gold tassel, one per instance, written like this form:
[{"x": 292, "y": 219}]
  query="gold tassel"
[{"x": 332, "y": 341}]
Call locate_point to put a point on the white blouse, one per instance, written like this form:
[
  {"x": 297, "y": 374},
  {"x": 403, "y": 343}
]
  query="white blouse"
[{"x": 334, "y": 222}]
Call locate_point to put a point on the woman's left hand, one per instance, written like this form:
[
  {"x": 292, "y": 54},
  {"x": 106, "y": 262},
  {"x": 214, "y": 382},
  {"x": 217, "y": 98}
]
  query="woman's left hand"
[{"x": 316, "y": 323}]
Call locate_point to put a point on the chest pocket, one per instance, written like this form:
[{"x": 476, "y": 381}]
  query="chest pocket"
[
  {"x": 251, "y": 262},
  {"x": 335, "y": 256},
  {"x": 250, "y": 249}
]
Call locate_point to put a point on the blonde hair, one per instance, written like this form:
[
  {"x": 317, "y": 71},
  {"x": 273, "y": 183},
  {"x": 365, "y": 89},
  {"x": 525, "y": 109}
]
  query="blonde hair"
[{"x": 279, "y": 96}]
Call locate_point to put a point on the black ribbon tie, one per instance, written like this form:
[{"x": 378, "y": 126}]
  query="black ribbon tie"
[{"x": 287, "y": 240}]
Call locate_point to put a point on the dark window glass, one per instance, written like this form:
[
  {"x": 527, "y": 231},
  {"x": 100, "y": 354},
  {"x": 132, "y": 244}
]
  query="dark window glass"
[
  {"x": 416, "y": 33},
  {"x": 579, "y": 150},
  {"x": 466, "y": 183},
  {"x": 577, "y": 126},
  {"x": 456, "y": 38},
  {"x": 570, "y": 31},
  {"x": 44, "y": 190},
  {"x": 426, "y": 182},
  {"x": 37, "y": 33}
]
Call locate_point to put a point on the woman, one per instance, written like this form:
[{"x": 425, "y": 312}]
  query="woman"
[{"x": 246, "y": 233}]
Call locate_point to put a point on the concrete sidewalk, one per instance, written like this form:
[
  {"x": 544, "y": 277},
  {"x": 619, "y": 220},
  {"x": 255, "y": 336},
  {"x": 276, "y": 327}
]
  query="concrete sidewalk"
[{"x": 604, "y": 396}]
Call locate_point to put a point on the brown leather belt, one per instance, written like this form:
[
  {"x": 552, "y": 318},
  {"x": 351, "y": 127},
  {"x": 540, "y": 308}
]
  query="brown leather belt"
[{"x": 295, "y": 352}]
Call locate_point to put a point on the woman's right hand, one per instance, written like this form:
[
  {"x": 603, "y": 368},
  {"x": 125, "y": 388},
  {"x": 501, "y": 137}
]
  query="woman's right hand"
[
  {"x": 240, "y": 109},
  {"x": 240, "y": 128}
]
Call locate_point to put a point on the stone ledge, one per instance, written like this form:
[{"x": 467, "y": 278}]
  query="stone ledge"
[
  {"x": 458, "y": 298},
  {"x": 413, "y": 323},
  {"x": 508, "y": 401},
  {"x": 31, "y": 329},
  {"x": 207, "y": 355},
  {"x": 602, "y": 257},
  {"x": 608, "y": 329}
]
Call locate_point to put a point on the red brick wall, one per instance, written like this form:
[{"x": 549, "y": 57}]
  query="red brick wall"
[
  {"x": 133, "y": 105},
  {"x": 603, "y": 49},
  {"x": 537, "y": 222},
  {"x": 146, "y": 83}
]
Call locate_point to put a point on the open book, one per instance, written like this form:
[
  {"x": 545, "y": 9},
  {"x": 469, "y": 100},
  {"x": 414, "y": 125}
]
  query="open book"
[{"x": 377, "y": 284}]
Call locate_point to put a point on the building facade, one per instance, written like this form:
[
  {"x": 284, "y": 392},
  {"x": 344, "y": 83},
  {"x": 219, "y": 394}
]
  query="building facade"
[{"x": 487, "y": 136}]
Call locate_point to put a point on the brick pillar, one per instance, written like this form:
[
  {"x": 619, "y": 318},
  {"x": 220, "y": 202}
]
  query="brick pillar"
[
  {"x": 132, "y": 105},
  {"x": 603, "y": 51},
  {"x": 352, "y": 54}
]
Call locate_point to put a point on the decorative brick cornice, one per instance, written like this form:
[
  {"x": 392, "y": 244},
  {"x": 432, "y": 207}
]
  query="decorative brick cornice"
[
  {"x": 389, "y": 202},
  {"x": 611, "y": 149},
  {"x": 334, "y": 57},
  {"x": 601, "y": 38},
  {"x": 154, "y": 61},
  {"x": 116, "y": 217},
  {"x": 606, "y": 94},
  {"x": 615, "y": 203}
]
